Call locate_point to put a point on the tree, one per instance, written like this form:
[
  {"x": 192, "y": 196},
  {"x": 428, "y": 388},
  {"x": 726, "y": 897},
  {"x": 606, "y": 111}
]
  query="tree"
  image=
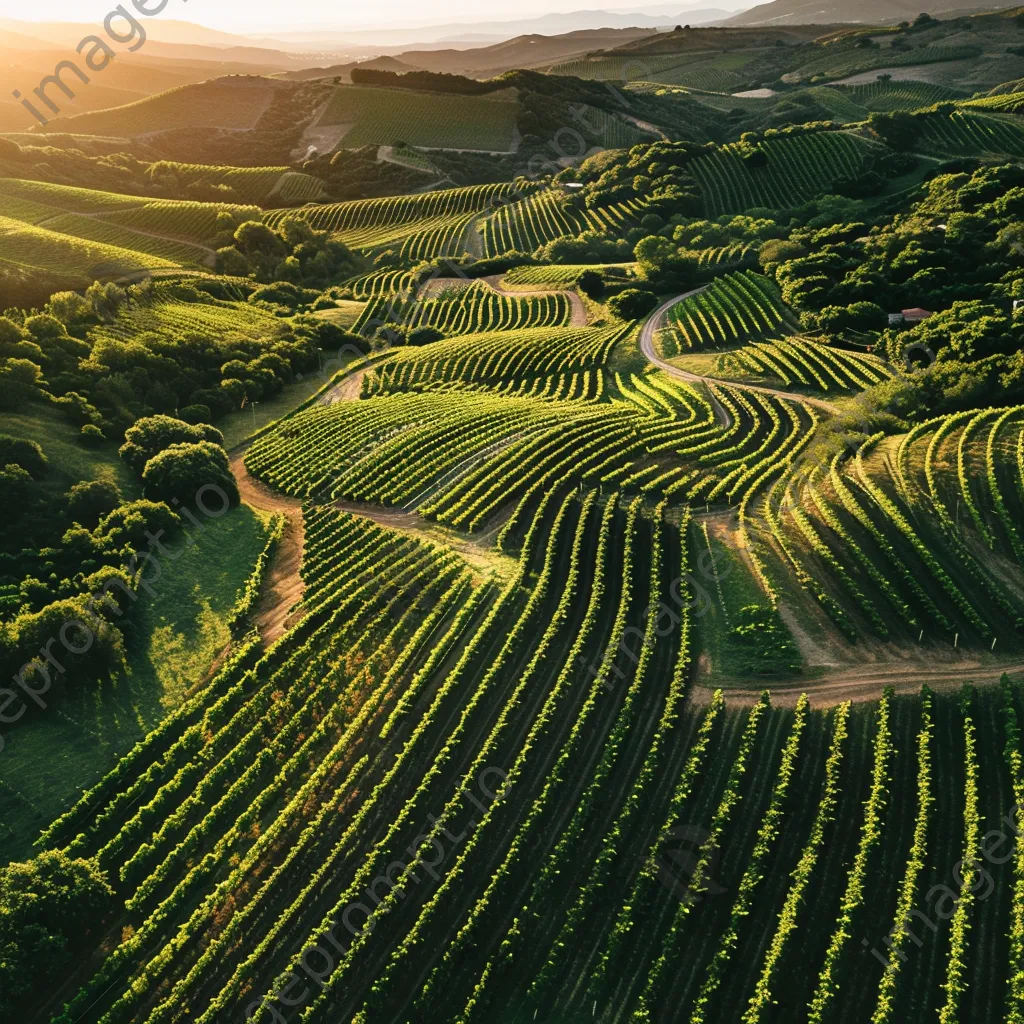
[
  {"x": 71, "y": 309},
  {"x": 152, "y": 434},
  {"x": 10, "y": 332},
  {"x": 230, "y": 261},
  {"x": 196, "y": 413},
  {"x": 632, "y": 303},
  {"x": 90, "y": 500},
  {"x": 253, "y": 238},
  {"x": 182, "y": 470},
  {"x": 777, "y": 251},
  {"x": 26, "y": 454},
  {"x": 106, "y": 299},
  {"x": 50, "y": 908},
  {"x": 652, "y": 251},
  {"x": 20, "y": 380},
  {"x": 424, "y": 336},
  {"x": 899, "y": 130},
  {"x": 128, "y": 524},
  {"x": 17, "y": 487},
  {"x": 591, "y": 283},
  {"x": 858, "y": 316}
]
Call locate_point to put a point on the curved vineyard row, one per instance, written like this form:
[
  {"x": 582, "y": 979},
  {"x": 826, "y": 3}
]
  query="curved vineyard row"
[
  {"x": 374, "y": 214},
  {"x": 491, "y": 358},
  {"x": 467, "y": 311},
  {"x": 796, "y": 168},
  {"x": 814, "y": 365},
  {"x": 732, "y": 309},
  {"x": 550, "y": 214}
]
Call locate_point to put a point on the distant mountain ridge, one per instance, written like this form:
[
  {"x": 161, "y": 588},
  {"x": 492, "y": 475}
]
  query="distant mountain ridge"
[
  {"x": 555, "y": 23},
  {"x": 829, "y": 12},
  {"x": 526, "y": 51}
]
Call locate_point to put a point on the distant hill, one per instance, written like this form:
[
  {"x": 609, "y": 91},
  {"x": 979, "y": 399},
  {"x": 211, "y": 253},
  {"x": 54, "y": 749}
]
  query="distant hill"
[
  {"x": 558, "y": 23},
  {"x": 124, "y": 81},
  {"x": 64, "y": 33},
  {"x": 527, "y": 51},
  {"x": 178, "y": 40},
  {"x": 248, "y": 121},
  {"x": 19, "y": 41},
  {"x": 824, "y": 12},
  {"x": 390, "y": 38},
  {"x": 344, "y": 71},
  {"x": 708, "y": 38}
]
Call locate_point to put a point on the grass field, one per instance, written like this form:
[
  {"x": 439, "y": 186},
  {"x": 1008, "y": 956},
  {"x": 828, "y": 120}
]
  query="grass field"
[
  {"x": 70, "y": 460},
  {"x": 79, "y": 232},
  {"x": 35, "y": 248},
  {"x": 250, "y": 184}
]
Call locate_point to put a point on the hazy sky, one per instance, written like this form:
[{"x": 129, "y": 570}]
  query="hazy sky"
[{"x": 272, "y": 15}]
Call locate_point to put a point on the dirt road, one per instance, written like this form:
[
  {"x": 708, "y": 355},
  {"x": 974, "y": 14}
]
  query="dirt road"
[
  {"x": 654, "y": 321},
  {"x": 282, "y": 587},
  {"x": 866, "y": 682}
]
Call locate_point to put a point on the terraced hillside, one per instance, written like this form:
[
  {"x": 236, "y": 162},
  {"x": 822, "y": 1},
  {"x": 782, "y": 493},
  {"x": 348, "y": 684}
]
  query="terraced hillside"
[
  {"x": 793, "y": 169},
  {"x": 503, "y": 667},
  {"x": 422, "y": 225},
  {"x": 544, "y": 216}
]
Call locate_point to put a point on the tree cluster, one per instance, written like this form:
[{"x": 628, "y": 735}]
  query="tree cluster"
[
  {"x": 51, "y": 908},
  {"x": 293, "y": 252},
  {"x": 106, "y": 380}
]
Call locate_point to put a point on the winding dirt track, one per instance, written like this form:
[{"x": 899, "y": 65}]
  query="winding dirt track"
[
  {"x": 282, "y": 586},
  {"x": 647, "y": 347}
]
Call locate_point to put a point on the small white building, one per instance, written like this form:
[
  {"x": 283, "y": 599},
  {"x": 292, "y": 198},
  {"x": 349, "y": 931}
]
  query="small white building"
[{"x": 914, "y": 315}]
